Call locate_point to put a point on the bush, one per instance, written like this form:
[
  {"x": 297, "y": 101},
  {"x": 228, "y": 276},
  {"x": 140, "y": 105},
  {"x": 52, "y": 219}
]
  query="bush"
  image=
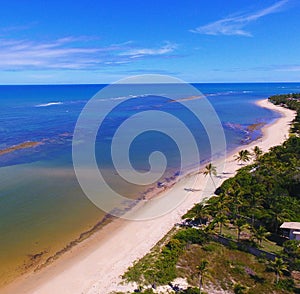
[
  {"x": 296, "y": 265},
  {"x": 286, "y": 284},
  {"x": 233, "y": 245},
  {"x": 239, "y": 289},
  {"x": 292, "y": 248},
  {"x": 191, "y": 235},
  {"x": 210, "y": 247}
]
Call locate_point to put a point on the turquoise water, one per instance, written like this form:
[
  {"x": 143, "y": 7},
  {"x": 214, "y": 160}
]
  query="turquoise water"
[{"x": 42, "y": 207}]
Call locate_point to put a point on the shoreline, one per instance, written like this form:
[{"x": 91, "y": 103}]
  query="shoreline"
[{"x": 94, "y": 265}]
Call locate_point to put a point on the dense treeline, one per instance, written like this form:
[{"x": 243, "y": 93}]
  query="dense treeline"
[
  {"x": 291, "y": 101},
  {"x": 267, "y": 191},
  {"x": 263, "y": 195}
]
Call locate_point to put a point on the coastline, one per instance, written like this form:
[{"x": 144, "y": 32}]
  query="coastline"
[{"x": 94, "y": 266}]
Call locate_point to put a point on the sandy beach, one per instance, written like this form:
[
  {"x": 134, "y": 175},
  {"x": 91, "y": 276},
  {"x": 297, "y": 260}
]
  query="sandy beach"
[{"x": 96, "y": 264}]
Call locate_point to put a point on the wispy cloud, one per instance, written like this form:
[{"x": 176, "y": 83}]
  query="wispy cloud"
[
  {"x": 234, "y": 25},
  {"x": 289, "y": 68},
  {"x": 266, "y": 68},
  {"x": 142, "y": 52},
  {"x": 72, "y": 53},
  {"x": 14, "y": 28}
]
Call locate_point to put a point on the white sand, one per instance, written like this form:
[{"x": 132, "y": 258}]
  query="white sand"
[{"x": 95, "y": 265}]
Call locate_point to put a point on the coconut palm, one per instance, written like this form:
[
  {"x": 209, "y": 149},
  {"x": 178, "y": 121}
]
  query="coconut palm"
[
  {"x": 210, "y": 170},
  {"x": 200, "y": 212},
  {"x": 221, "y": 219},
  {"x": 243, "y": 156},
  {"x": 278, "y": 266},
  {"x": 240, "y": 224},
  {"x": 202, "y": 268},
  {"x": 257, "y": 152},
  {"x": 217, "y": 204},
  {"x": 260, "y": 234},
  {"x": 255, "y": 201}
]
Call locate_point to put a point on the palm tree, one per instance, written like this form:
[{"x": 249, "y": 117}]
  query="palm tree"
[
  {"x": 240, "y": 224},
  {"x": 254, "y": 203},
  {"x": 243, "y": 156},
  {"x": 202, "y": 268},
  {"x": 235, "y": 203},
  {"x": 221, "y": 219},
  {"x": 210, "y": 170},
  {"x": 278, "y": 266},
  {"x": 200, "y": 212},
  {"x": 257, "y": 152},
  {"x": 260, "y": 234},
  {"x": 278, "y": 213}
]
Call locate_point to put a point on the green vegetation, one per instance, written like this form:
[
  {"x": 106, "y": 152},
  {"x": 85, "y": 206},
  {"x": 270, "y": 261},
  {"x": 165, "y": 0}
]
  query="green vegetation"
[
  {"x": 267, "y": 192},
  {"x": 278, "y": 266},
  {"x": 257, "y": 152},
  {"x": 159, "y": 266},
  {"x": 226, "y": 268},
  {"x": 243, "y": 156},
  {"x": 202, "y": 268},
  {"x": 291, "y": 101}
]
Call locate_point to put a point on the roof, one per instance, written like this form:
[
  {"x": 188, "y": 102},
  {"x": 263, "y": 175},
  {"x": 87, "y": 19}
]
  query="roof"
[{"x": 290, "y": 225}]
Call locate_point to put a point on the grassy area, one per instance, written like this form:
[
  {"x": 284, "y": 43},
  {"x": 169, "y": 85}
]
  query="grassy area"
[
  {"x": 227, "y": 268},
  {"x": 181, "y": 251},
  {"x": 267, "y": 245}
]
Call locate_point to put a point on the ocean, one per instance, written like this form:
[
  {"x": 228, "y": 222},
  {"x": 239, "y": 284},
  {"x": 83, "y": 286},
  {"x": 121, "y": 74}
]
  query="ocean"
[{"x": 43, "y": 209}]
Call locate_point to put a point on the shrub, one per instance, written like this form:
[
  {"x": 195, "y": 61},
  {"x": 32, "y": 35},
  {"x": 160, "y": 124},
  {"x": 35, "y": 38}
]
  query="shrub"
[
  {"x": 286, "y": 284},
  {"x": 191, "y": 235},
  {"x": 292, "y": 248}
]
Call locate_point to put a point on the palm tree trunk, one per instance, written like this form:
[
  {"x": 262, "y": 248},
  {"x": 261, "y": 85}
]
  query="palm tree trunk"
[
  {"x": 200, "y": 284},
  {"x": 213, "y": 181}
]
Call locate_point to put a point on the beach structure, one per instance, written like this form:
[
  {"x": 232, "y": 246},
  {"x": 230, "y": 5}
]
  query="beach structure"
[{"x": 291, "y": 230}]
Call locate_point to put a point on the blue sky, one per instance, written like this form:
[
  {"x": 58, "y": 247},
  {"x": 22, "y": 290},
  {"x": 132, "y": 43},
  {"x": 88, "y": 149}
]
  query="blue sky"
[{"x": 102, "y": 41}]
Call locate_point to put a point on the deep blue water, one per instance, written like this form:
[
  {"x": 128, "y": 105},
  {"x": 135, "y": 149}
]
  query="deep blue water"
[{"x": 49, "y": 113}]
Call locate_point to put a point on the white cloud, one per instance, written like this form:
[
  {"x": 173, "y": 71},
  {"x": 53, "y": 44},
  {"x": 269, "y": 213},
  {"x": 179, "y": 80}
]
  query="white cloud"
[
  {"x": 289, "y": 68},
  {"x": 142, "y": 52},
  {"x": 235, "y": 25},
  {"x": 70, "y": 53}
]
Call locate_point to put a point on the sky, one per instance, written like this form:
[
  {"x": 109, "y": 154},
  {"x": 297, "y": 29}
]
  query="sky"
[{"x": 102, "y": 41}]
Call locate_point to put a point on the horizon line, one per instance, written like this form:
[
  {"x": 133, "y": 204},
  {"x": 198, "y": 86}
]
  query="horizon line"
[{"x": 85, "y": 84}]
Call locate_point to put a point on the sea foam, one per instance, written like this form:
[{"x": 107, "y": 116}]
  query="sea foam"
[{"x": 49, "y": 104}]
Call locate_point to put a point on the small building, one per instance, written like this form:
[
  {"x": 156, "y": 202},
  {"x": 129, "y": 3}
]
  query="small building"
[{"x": 291, "y": 230}]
